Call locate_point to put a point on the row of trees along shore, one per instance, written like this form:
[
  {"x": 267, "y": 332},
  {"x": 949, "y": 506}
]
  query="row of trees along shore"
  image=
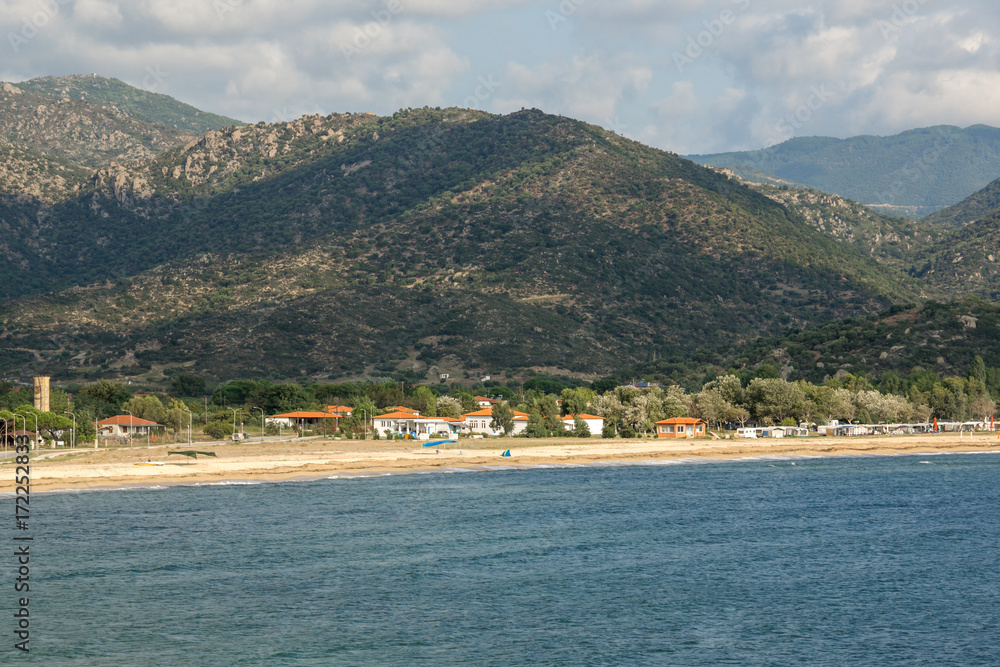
[{"x": 733, "y": 399}]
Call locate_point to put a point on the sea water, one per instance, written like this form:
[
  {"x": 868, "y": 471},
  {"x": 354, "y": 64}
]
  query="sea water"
[{"x": 830, "y": 561}]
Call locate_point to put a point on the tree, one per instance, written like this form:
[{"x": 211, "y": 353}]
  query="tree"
[
  {"x": 728, "y": 386},
  {"x": 146, "y": 407},
  {"x": 218, "y": 430},
  {"x": 580, "y": 428},
  {"x": 609, "y": 431},
  {"x": 427, "y": 401},
  {"x": 711, "y": 406},
  {"x": 104, "y": 398},
  {"x": 739, "y": 414},
  {"x": 188, "y": 385},
  {"x": 467, "y": 400},
  {"x": 449, "y": 406},
  {"x": 983, "y": 407},
  {"x": 549, "y": 409},
  {"x": 576, "y": 401},
  {"x": 536, "y": 426},
  {"x": 503, "y": 418},
  {"x": 773, "y": 399}
]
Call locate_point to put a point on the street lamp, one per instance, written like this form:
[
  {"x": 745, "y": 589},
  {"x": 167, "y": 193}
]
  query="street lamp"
[
  {"x": 23, "y": 419},
  {"x": 73, "y": 445},
  {"x": 261, "y": 422},
  {"x": 234, "y": 422},
  {"x": 364, "y": 422},
  {"x": 35, "y": 443},
  {"x": 190, "y": 421},
  {"x": 131, "y": 426}
]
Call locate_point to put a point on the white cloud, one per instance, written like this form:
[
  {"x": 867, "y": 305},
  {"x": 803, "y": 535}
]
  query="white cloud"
[
  {"x": 888, "y": 65},
  {"x": 587, "y": 86},
  {"x": 97, "y": 13}
]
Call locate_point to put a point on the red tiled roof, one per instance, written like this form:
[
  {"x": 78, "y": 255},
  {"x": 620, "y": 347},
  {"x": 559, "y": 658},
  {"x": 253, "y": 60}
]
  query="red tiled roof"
[
  {"x": 338, "y": 408},
  {"x": 682, "y": 420},
  {"x": 398, "y": 415},
  {"x": 488, "y": 412},
  {"x": 305, "y": 415},
  {"x": 125, "y": 420},
  {"x": 581, "y": 416}
]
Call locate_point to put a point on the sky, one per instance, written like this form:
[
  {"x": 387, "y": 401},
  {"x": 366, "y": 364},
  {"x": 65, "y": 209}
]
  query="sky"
[{"x": 690, "y": 76}]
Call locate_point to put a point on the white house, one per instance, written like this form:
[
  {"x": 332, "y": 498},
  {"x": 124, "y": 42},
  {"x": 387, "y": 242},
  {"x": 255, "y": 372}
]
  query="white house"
[
  {"x": 412, "y": 424},
  {"x": 480, "y": 422},
  {"x": 126, "y": 426},
  {"x": 594, "y": 423}
]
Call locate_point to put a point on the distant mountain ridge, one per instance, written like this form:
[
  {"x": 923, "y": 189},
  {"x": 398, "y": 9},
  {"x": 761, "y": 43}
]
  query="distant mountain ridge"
[
  {"x": 981, "y": 204},
  {"x": 922, "y": 170},
  {"x": 144, "y": 105}
]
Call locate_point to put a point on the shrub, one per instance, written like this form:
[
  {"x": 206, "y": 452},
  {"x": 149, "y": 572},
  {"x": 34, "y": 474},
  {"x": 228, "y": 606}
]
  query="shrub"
[{"x": 218, "y": 430}]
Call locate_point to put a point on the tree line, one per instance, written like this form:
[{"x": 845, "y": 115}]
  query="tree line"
[{"x": 736, "y": 398}]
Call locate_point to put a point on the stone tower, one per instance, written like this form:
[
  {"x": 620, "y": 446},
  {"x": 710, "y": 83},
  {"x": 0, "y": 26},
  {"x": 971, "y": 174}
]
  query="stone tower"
[{"x": 42, "y": 393}]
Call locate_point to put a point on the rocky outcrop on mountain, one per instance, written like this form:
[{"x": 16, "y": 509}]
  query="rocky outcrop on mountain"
[{"x": 79, "y": 132}]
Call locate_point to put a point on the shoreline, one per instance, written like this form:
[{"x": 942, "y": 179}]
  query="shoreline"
[{"x": 79, "y": 470}]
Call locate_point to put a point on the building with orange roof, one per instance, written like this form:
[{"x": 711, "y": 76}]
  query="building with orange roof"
[
  {"x": 593, "y": 422},
  {"x": 126, "y": 426},
  {"x": 481, "y": 422},
  {"x": 681, "y": 427},
  {"x": 340, "y": 410},
  {"x": 410, "y": 423},
  {"x": 303, "y": 418}
]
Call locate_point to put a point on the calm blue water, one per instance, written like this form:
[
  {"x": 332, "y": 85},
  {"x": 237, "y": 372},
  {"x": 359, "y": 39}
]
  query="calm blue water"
[{"x": 825, "y": 562}]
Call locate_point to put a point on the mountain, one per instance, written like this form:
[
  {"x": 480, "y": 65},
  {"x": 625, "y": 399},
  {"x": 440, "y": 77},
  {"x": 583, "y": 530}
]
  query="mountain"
[
  {"x": 90, "y": 122},
  {"x": 913, "y": 173},
  {"x": 45, "y": 179},
  {"x": 939, "y": 337},
  {"x": 352, "y": 245},
  {"x": 889, "y": 240},
  {"x": 981, "y": 204},
  {"x": 78, "y": 132},
  {"x": 143, "y": 105}
]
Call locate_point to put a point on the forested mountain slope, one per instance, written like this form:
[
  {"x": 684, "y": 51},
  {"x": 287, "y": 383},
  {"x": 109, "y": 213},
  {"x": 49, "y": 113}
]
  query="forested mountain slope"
[{"x": 431, "y": 238}]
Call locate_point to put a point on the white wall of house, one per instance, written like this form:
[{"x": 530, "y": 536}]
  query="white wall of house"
[{"x": 595, "y": 425}]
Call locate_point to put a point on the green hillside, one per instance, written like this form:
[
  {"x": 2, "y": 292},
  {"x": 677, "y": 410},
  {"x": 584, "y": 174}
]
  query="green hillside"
[
  {"x": 143, "y": 105},
  {"x": 925, "y": 169},
  {"x": 940, "y": 337},
  {"x": 426, "y": 240},
  {"x": 977, "y": 206}
]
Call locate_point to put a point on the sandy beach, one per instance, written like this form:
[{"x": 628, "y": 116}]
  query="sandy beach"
[{"x": 87, "y": 469}]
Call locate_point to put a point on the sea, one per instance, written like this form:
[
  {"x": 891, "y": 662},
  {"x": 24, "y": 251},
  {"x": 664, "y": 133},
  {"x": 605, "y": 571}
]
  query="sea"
[{"x": 767, "y": 561}]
